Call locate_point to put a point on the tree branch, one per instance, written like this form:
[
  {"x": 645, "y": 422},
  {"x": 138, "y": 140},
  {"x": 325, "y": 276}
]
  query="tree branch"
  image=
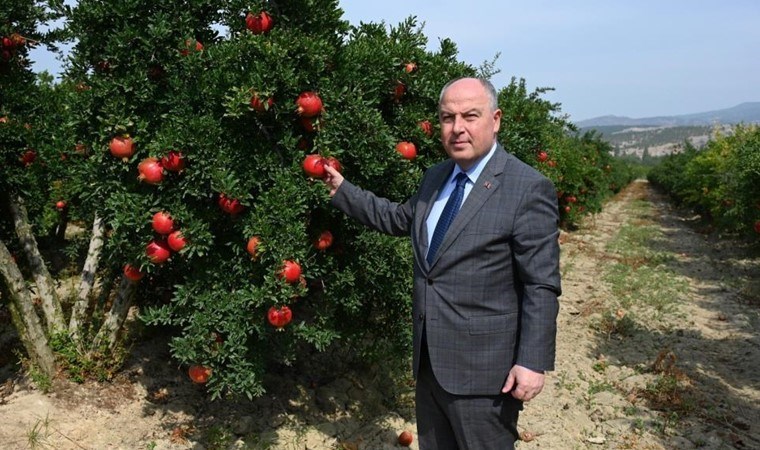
[
  {"x": 51, "y": 306},
  {"x": 109, "y": 331},
  {"x": 24, "y": 316},
  {"x": 84, "y": 299}
]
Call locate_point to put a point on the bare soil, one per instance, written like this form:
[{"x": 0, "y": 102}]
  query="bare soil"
[{"x": 682, "y": 374}]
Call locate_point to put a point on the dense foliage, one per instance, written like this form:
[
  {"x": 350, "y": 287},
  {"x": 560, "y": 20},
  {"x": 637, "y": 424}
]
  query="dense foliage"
[
  {"x": 721, "y": 181},
  {"x": 28, "y": 108},
  {"x": 158, "y": 112}
]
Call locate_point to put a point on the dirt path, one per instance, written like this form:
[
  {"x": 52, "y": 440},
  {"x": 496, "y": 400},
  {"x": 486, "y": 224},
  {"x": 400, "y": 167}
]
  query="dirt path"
[
  {"x": 678, "y": 371},
  {"x": 657, "y": 349}
]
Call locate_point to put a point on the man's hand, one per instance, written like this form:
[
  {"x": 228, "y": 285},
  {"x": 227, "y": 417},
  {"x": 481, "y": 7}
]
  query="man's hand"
[
  {"x": 333, "y": 179},
  {"x": 523, "y": 383}
]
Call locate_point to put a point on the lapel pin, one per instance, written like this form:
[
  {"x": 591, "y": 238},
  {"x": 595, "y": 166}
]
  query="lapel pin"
[{"x": 487, "y": 185}]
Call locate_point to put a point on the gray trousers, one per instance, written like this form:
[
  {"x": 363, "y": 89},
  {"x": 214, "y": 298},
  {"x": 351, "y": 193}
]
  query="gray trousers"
[{"x": 462, "y": 422}]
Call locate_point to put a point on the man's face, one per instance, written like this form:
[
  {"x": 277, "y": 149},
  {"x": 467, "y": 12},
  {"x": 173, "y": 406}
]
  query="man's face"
[{"x": 468, "y": 126}]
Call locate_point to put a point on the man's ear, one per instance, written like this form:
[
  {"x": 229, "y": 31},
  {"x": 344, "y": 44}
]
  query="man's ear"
[{"x": 496, "y": 120}]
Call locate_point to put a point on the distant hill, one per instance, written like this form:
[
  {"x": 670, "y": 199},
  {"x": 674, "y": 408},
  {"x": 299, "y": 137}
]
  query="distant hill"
[
  {"x": 657, "y": 136},
  {"x": 655, "y": 140},
  {"x": 744, "y": 113}
]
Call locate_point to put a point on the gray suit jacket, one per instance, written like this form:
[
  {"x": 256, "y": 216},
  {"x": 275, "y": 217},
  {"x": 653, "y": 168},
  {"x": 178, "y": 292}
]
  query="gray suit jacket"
[{"x": 489, "y": 298}]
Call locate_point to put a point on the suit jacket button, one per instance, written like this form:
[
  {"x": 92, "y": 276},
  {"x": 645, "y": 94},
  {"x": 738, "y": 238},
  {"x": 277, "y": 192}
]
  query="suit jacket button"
[
  {"x": 430, "y": 281},
  {"x": 421, "y": 317}
]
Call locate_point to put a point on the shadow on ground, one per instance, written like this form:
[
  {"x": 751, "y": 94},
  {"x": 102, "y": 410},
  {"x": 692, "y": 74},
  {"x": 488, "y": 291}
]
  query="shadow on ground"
[{"x": 709, "y": 366}]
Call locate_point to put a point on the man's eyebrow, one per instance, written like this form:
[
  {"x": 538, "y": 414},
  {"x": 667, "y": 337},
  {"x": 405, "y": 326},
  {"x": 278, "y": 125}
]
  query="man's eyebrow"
[{"x": 464, "y": 113}]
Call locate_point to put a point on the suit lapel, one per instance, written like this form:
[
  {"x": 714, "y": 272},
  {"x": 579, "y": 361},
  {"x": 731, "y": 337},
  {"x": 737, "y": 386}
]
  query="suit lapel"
[
  {"x": 427, "y": 195},
  {"x": 486, "y": 184}
]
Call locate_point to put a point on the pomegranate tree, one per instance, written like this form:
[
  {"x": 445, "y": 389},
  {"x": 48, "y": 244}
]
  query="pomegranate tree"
[{"x": 239, "y": 173}]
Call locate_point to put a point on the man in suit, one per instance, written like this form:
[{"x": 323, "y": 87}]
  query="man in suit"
[{"x": 486, "y": 275}]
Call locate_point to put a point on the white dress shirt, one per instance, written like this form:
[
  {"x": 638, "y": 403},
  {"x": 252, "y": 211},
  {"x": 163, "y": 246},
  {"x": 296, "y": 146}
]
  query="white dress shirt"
[{"x": 448, "y": 187}]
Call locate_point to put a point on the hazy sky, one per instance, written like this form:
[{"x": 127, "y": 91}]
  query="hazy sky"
[{"x": 636, "y": 58}]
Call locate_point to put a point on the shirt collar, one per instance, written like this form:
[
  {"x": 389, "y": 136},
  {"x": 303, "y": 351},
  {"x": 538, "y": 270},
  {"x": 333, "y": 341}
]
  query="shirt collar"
[{"x": 474, "y": 172}]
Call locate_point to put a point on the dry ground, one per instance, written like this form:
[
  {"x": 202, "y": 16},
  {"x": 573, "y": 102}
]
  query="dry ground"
[{"x": 658, "y": 348}]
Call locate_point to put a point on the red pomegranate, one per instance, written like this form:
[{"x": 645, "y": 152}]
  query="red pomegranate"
[
  {"x": 398, "y": 91},
  {"x": 199, "y": 374},
  {"x": 151, "y": 171},
  {"x": 260, "y": 105},
  {"x": 28, "y": 157},
  {"x": 426, "y": 127},
  {"x": 230, "y": 205},
  {"x": 323, "y": 241},
  {"x": 122, "y": 147},
  {"x": 290, "y": 272},
  {"x": 314, "y": 166},
  {"x": 158, "y": 251},
  {"x": 176, "y": 241},
  {"x": 173, "y": 161},
  {"x": 308, "y": 104},
  {"x": 260, "y": 23},
  {"x": 332, "y": 162},
  {"x": 279, "y": 317},
  {"x": 407, "y": 150},
  {"x": 189, "y": 45},
  {"x": 162, "y": 222},
  {"x": 132, "y": 273},
  {"x": 253, "y": 246}
]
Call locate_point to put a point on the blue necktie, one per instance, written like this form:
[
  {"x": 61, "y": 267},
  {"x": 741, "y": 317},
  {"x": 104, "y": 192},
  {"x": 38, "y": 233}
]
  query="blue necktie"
[{"x": 447, "y": 216}]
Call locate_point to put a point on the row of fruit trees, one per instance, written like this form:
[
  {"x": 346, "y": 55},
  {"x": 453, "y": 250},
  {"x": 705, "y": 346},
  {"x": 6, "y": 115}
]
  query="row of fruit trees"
[
  {"x": 174, "y": 171},
  {"x": 721, "y": 181}
]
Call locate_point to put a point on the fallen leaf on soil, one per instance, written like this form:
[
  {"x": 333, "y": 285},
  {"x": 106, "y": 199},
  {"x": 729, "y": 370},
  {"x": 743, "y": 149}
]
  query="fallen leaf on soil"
[
  {"x": 160, "y": 396},
  {"x": 179, "y": 434},
  {"x": 528, "y": 436}
]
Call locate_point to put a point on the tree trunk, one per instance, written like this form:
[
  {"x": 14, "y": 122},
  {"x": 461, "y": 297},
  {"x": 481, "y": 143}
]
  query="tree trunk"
[
  {"x": 60, "y": 227},
  {"x": 51, "y": 306},
  {"x": 24, "y": 317},
  {"x": 108, "y": 334},
  {"x": 107, "y": 285},
  {"x": 83, "y": 302}
]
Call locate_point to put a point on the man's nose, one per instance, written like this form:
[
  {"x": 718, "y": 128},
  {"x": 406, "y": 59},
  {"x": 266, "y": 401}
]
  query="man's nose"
[{"x": 458, "y": 125}]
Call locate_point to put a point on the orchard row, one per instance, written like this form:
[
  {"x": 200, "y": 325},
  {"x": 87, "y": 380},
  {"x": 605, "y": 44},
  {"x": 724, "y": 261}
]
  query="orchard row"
[{"x": 721, "y": 181}]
